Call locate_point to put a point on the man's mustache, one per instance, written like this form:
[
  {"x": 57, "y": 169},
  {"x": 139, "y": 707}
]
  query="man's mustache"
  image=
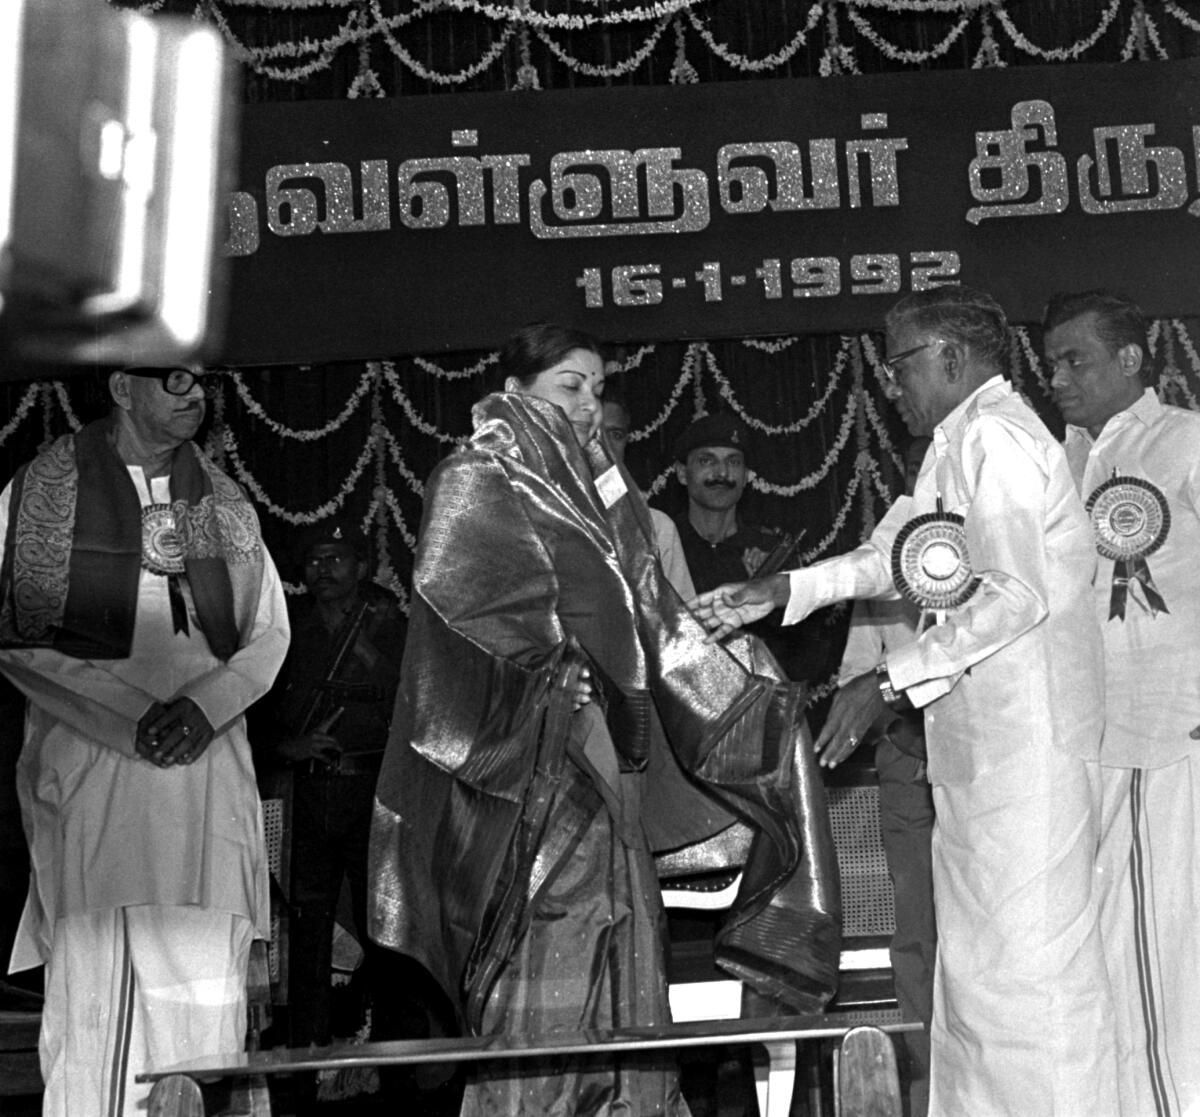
[{"x": 719, "y": 485}]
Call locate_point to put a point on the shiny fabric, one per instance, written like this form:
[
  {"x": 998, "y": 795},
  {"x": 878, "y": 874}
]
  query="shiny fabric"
[{"x": 493, "y": 794}]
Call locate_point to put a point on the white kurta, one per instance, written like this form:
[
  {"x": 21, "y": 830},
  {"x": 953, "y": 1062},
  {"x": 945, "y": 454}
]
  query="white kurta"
[
  {"x": 1150, "y": 844},
  {"x": 1012, "y": 684},
  {"x": 108, "y": 829}
]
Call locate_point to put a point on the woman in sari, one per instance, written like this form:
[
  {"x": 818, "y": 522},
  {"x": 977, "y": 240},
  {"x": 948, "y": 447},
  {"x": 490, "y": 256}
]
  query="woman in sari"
[{"x": 560, "y": 716}]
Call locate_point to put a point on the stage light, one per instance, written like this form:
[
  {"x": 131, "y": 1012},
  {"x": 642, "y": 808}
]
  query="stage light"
[{"x": 118, "y": 131}]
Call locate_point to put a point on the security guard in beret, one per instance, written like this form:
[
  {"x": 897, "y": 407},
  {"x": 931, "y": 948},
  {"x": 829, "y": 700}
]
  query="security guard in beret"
[{"x": 719, "y": 545}]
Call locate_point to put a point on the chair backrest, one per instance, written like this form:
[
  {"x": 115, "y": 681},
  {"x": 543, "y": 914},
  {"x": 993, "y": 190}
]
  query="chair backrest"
[
  {"x": 868, "y": 908},
  {"x": 867, "y": 1082}
]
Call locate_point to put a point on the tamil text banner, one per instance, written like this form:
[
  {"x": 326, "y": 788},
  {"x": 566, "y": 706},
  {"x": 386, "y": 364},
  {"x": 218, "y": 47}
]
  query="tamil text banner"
[{"x": 381, "y": 227}]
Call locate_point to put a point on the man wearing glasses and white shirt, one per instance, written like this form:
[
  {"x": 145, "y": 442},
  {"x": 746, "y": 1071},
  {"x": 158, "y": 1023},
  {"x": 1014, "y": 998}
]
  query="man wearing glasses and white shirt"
[
  {"x": 140, "y": 614},
  {"x": 996, "y": 549}
]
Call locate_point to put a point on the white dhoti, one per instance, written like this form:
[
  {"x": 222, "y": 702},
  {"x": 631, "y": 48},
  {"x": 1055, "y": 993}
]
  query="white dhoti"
[
  {"x": 1148, "y": 862},
  {"x": 136, "y": 989},
  {"x": 1022, "y": 1020}
]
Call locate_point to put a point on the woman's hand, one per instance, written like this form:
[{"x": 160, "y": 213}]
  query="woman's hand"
[{"x": 583, "y": 688}]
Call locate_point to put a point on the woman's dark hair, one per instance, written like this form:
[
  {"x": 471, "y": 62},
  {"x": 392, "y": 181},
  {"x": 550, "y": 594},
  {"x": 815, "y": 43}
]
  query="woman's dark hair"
[{"x": 539, "y": 346}]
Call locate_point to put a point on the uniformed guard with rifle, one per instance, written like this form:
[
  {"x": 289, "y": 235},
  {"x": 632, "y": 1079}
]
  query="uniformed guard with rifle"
[{"x": 329, "y": 719}]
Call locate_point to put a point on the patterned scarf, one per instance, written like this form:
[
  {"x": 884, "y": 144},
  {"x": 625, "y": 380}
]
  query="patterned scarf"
[{"x": 73, "y": 555}]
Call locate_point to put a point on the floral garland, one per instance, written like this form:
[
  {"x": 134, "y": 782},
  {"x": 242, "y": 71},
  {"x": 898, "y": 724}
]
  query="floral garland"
[
  {"x": 394, "y": 489},
  {"x": 686, "y": 377},
  {"x": 769, "y": 62},
  {"x": 811, "y": 480},
  {"x": 616, "y": 70},
  {"x": 406, "y": 405},
  {"x": 471, "y": 372},
  {"x": 20, "y": 413},
  {"x": 323, "y": 511},
  {"x": 1059, "y": 54},
  {"x": 314, "y": 434},
  {"x": 296, "y": 60},
  {"x": 895, "y": 53},
  {"x": 814, "y": 412}
]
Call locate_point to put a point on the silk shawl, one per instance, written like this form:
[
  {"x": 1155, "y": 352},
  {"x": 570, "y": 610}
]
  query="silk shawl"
[
  {"x": 522, "y": 574},
  {"x": 73, "y": 556}
]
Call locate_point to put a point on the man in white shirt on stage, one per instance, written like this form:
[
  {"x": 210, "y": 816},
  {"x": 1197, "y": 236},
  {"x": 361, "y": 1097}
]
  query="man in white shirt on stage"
[
  {"x": 140, "y": 614},
  {"x": 1137, "y": 464},
  {"x": 995, "y": 548}
]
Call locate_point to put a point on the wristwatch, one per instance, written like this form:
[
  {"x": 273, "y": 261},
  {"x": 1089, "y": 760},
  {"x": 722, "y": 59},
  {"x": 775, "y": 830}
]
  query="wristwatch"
[{"x": 898, "y": 702}]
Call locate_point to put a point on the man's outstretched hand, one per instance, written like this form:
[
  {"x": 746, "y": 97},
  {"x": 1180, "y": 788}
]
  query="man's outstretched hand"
[{"x": 737, "y": 604}]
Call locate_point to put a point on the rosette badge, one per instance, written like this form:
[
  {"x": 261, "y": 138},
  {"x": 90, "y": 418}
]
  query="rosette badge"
[
  {"x": 162, "y": 545},
  {"x": 1130, "y": 521},
  {"x": 930, "y": 562}
]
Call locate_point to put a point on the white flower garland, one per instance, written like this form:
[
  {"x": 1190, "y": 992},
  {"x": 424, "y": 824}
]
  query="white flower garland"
[
  {"x": 615, "y": 368},
  {"x": 60, "y": 393},
  {"x": 618, "y": 69},
  {"x": 484, "y": 62},
  {"x": 314, "y": 434},
  {"x": 19, "y": 413},
  {"x": 818, "y": 408},
  {"x": 406, "y": 405},
  {"x": 392, "y": 447},
  {"x": 469, "y": 373},
  {"x": 768, "y": 345},
  {"x": 1180, "y": 381},
  {"x": 685, "y": 377},
  {"x": 811, "y": 480},
  {"x": 1059, "y": 54},
  {"x": 322, "y": 511},
  {"x": 769, "y": 62},
  {"x": 1033, "y": 358},
  {"x": 1188, "y": 21},
  {"x": 897, "y": 54},
  {"x": 839, "y": 522},
  {"x": 297, "y": 60}
]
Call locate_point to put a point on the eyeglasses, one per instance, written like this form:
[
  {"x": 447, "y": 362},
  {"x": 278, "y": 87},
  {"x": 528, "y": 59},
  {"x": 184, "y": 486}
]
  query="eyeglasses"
[
  {"x": 889, "y": 363},
  {"x": 175, "y": 381}
]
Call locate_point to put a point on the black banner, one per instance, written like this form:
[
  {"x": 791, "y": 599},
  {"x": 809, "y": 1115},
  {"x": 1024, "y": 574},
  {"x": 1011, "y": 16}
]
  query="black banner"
[{"x": 375, "y": 228}]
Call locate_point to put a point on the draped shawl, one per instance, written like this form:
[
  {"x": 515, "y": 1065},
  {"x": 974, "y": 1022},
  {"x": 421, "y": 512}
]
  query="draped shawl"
[
  {"x": 522, "y": 574},
  {"x": 73, "y": 554}
]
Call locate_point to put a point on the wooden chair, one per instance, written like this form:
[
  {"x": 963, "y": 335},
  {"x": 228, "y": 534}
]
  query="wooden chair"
[{"x": 866, "y": 1080}]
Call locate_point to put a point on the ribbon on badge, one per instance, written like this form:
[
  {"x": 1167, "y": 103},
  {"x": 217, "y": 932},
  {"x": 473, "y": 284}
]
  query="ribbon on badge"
[
  {"x": 1130, "y": 521},
  {"x": 162, "y": 553},
  {"x": 931, "y": 566}
]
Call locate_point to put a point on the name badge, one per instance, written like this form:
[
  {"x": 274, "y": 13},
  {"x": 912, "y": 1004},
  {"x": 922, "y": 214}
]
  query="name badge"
[{"x": 611, "y": 486}]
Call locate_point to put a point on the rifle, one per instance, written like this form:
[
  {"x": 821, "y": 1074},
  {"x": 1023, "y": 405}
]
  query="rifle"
[
  {"x": 313, "y": 711},
  {"x": 778, "y": 555}
]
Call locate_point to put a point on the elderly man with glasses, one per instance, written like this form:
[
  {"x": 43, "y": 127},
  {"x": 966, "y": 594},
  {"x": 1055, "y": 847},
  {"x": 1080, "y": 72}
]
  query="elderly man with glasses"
[
  {"x": 140, "y": 615},
  {"x": 995, "y": 549}
]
